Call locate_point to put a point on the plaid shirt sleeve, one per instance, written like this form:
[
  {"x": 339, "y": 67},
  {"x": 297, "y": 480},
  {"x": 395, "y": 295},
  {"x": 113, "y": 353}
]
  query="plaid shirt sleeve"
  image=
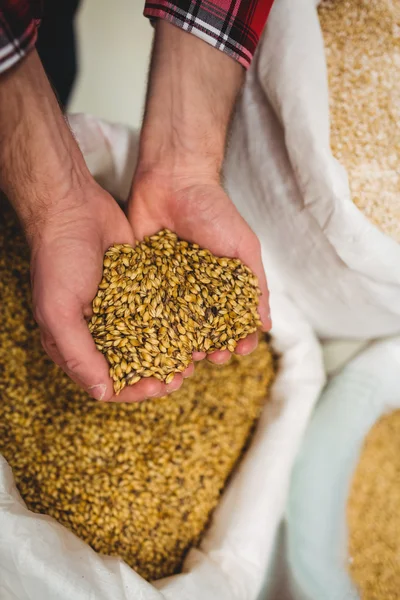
[
  {"x": 18, "y": 30},
  {"x": 233, "y": 26}
]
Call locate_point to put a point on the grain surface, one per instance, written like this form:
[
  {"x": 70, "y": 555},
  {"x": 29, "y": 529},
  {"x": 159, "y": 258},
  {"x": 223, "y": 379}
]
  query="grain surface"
[
  {"x": 373, "y": 513},
  {"x": 165, "y": 298},
  {"x": 138, "y": 481},
  {"x": 362, "y": 42}
]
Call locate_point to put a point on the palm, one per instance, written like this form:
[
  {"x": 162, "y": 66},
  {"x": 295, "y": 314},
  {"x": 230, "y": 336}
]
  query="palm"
[
  {"x": 205, "y": 215},
  {"x": 67, "y": 264},
  {"x": 66, "y": 268}
]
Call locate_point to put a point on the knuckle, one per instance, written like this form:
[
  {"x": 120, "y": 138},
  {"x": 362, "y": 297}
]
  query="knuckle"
[
  {"x": 45, "y": 345},
  {"x": 39, "y": 315},
  {"x": 44, "y": 312},
  {"x": 72, "y": 365},
  {"x": 49, "y": 346}
]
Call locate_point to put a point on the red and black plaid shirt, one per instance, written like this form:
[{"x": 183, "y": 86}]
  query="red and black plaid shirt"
[{"x": 233, "y": 26}]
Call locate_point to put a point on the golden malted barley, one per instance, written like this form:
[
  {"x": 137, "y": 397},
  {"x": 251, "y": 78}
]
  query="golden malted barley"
[
  {"x": 138, "y": 481},
  {"x": 170, "y": 297}
]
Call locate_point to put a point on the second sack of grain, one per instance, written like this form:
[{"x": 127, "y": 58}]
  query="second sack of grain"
[
  {"x": 343, "y": 524},
  {"x": 362, "y": 45}
]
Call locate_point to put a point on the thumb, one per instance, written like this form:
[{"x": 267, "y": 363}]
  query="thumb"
[
  {"x": 251, "y": 256},
  {"x": 69, "y": 344}
]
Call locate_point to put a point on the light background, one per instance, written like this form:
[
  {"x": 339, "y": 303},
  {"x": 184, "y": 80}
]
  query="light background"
[{"x": 114, "y": 48}]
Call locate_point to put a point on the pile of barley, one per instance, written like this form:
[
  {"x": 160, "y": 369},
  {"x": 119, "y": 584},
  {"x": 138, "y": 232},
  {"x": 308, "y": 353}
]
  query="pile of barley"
[
  {"x": 164, "y": 299},
  {"x": 373, "y": 513},
  {"x": 137, "y": 481},
  {"x": 362, "y": 41}
]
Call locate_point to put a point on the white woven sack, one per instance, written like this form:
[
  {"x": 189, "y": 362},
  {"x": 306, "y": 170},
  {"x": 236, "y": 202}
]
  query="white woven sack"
[
  {"x": 340, "y": 270},
  {"x": 41, "y": 560},
  {"x": 317, "y": 533}
]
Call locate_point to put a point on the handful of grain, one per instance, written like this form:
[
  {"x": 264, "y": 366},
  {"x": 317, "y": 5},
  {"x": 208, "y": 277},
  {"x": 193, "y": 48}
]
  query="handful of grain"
[
  {"x": 163, "y": 300},
  {"x": 362, "y": 43},
  {"x": 138, "y": 481},
  {"x": 373, "y": 513}
]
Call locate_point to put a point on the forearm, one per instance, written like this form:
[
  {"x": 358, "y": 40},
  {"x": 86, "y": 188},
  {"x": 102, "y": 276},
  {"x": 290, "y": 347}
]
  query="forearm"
[
  {"x": 40, "y": 162},
  {"x": 191, "y": 95}
]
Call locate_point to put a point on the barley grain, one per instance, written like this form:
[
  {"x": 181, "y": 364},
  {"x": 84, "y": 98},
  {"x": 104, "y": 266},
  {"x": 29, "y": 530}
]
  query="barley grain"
[
  {"x": 138, "y": 481},
  {"x": 373, "y": 513},
  {"x": 172, "y": 312},
  {"x": 362, "y": 42}
]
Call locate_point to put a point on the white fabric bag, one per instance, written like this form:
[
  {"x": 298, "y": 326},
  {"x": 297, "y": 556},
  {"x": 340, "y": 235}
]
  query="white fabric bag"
[
  {"x": 41, "y": 560},
  {"x": 353, "y": 401},
  {"x": 339, "y": 269}
]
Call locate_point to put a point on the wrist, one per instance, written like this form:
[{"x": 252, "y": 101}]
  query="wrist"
[
  {"x": 191, "y": 93},
  {"x": 163, "y": 159},
  {"x": 160, "y": 186},
  {"x": 173, "y": 174}
]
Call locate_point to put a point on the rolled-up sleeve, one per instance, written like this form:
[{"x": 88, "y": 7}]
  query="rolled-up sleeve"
[
  {"x": 233, "y": 26},
  {"x": 18, "y": 30}
]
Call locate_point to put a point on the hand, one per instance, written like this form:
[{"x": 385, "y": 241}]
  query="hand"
[
  {"x": 67, "y": 249},
  {"x": 191, "y": 95},
  {"x": 69, "y": 222},
  {"x": 198, "y": 210},
  {"x": 67, "y": 253}
]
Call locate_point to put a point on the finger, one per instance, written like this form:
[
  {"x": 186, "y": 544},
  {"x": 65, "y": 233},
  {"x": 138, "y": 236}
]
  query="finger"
[
  {"x": 148, "y": 387},
  {"x": 247, "y": 345},
  {"x": 73, "y": 348},
  {"x": 263, "y": 307},
  {"x": 198, "y": 356},
  {"x": 50, "y": 347},
  {"x": 68, "y": 342},
  {"x": 251, "y": 256},
  {"x": 174, "y": 386},
  {"x": 53, "y": 352},
  {"x": 220, "y": 357},
  {"x": 188, "y": 372}
]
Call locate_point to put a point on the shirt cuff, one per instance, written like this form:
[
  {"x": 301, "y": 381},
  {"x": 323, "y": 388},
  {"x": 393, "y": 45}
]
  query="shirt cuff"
[
  {"x": 232, "y": 27},
  {"x": 13, "y": 46}
]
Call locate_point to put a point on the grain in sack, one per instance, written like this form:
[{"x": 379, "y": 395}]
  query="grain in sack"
[
  {"x": 41, "y": 558},
  {"x": 300, "y": 186}
]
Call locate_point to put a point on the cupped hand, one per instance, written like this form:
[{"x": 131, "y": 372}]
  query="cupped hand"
[
  {"x": 198, "y": 210},
  {"x": 67, "y": 251}
]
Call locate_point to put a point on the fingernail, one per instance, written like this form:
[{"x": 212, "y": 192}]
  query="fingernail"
[{"x": 98, "y": 391}]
